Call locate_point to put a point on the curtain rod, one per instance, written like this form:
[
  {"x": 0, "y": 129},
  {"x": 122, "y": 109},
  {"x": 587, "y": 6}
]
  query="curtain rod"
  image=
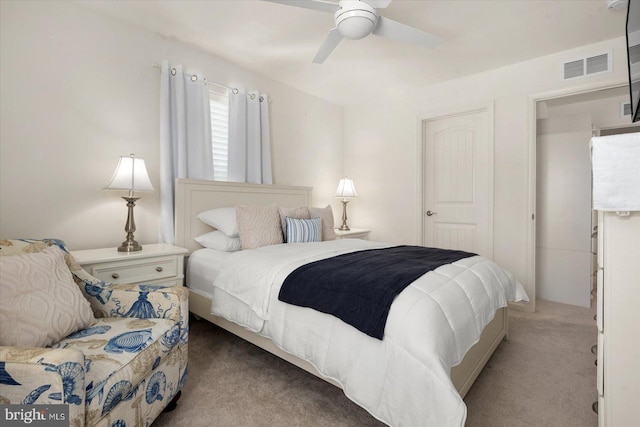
[{"x": 206, "y": 82}]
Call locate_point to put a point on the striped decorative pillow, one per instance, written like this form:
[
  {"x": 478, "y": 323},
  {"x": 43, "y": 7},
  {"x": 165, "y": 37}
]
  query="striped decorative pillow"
[{"x": 303, "y": 230}]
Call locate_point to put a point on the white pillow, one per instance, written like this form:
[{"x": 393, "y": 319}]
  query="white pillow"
[
  {"x": 40, "y": 304},
  {"x": 303, "y": 230},
  {"x": 223, "y": 219},
  {"x": 326, "y": 213},
  {"x": 219, "y": 241}
]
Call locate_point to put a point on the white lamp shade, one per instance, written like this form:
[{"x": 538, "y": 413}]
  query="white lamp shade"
[
  {"x": 130, "y": 175},
  {"x": 346, "y": 188}
]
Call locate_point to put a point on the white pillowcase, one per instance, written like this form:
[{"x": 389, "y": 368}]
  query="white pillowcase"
[
  {"x": 223, "y": 219},
  {"x": 40, "y": 304},
  {"x": 219, "y": 241}
]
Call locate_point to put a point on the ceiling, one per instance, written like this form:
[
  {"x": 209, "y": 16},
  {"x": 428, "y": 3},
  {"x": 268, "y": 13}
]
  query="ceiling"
[{"x": 280, "y": 41}]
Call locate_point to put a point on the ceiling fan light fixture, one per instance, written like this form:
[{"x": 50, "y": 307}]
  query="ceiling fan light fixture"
[{"x": 355, "y": 19}]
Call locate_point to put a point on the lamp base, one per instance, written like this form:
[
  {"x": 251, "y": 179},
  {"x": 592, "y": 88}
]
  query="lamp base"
[
  {"x": 129, "y": 246},
  {"x": 344, "y": 226}
]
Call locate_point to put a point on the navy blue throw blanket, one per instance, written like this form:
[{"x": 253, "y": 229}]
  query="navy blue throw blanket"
[{"x": 359, "y": 287}]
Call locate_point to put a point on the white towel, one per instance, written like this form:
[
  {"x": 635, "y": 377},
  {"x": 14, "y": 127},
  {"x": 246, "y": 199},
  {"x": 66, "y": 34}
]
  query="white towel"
[{"x": 616, "y": 172}]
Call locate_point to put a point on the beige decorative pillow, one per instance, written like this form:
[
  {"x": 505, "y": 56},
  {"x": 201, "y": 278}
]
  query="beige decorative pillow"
[
  {"x": 298, "y": 213},
  {"x": 326, "y": 213},
  {"x": 9, "y": 247},
  {"x": 40, "y": 303},
  {"x": 259, "y": 226}
]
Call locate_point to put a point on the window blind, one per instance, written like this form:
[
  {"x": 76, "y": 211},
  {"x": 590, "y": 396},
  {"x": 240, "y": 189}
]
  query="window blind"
[{"x": 220, "y": 134}]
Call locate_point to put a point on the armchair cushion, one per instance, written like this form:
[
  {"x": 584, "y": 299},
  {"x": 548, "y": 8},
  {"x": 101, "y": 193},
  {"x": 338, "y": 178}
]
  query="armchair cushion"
[{"x": 40, "y": 302}]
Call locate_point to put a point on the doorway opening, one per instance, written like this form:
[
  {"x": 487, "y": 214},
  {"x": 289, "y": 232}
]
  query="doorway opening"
[{"x": 565, "y": 227}]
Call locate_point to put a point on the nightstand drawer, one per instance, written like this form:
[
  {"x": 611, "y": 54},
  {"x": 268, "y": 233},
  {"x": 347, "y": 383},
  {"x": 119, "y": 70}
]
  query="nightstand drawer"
[
  {"x": 157, "y": 263},
  {"x": 141, "y": 271},
  {"x": 354, "y": 233}
]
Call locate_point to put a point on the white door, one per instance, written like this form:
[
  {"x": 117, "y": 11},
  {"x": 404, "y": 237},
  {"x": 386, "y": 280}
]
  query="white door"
[{"x": 458, "y": 183}]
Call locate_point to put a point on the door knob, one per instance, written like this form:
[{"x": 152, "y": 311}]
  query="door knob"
[{"x": 430, "y": 213}]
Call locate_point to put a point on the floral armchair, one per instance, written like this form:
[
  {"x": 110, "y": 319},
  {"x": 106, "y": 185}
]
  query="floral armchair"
[{"x": 123, "y": 367}]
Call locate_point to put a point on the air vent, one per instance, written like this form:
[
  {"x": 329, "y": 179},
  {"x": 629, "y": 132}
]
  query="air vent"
[
  {"x": 634, "y": 54},
  {"x": 598, "y": 64},
  {"x": 574, "y": 69},
  {"x": 588, "y": 66},
  {"x": 625, "y": 109}
]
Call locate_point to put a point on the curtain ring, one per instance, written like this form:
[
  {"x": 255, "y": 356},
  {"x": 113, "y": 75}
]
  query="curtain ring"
[
  {"x": 194, "y": 78},
  {"x": 261, "y": 99},
  {"x": 235, "y": 91},
  {"x": 253, "y": 96},
  {"x": 173, "y": 71}
]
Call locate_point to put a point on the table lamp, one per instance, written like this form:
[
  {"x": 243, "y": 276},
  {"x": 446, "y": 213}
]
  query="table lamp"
[
  {"x": 345, "y": 190},
  {"x": 130, "y": 175}
]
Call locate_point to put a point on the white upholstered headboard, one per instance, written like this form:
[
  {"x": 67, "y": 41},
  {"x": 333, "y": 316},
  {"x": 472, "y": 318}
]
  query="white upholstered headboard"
[{"x": 193, "y": 197}]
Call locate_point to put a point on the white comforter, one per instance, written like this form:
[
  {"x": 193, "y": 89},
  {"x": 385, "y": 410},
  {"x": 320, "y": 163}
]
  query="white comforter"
[{"x": 402, "y": 380}]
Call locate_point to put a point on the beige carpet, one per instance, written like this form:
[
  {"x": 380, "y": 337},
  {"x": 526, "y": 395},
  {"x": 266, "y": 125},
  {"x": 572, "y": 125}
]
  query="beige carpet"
[{"x": 544, "y": 375}]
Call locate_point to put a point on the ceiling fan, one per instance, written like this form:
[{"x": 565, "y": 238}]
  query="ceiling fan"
[{"x": 356, "y": 19}]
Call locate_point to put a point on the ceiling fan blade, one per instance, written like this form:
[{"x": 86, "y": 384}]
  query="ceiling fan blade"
[
  {"x": 333, "y": 38},
  {"x": 320, "y": 5},
  {"x": 396, "y": 31},
  {"x": 378, "y": 4}
]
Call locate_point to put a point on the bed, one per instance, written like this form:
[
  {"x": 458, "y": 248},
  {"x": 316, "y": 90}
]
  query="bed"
[{"x": 395, "y": 379}]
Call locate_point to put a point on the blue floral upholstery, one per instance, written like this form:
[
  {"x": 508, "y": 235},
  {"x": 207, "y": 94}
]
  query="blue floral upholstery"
[{"x": 121, "y": 371}]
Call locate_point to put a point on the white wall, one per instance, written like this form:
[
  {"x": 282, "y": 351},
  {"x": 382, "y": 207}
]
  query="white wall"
[
  {"x": 563, "y": 209},
  {"x": 77, "y": 91},
  {"x": 381, "y": 145}
]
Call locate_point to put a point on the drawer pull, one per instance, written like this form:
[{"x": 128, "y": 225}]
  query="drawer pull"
[
  {"x": 159, "y": 269},
  {"x": 115, "y": 276}
]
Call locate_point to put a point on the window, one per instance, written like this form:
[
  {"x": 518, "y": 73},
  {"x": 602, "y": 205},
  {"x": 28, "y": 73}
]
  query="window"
[{"x": 220, "y": 133}]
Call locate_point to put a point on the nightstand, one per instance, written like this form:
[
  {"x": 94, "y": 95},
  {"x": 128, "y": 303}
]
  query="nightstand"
[
  {"x": 159, "y": 263},
  {"x": 354, "y": 233}
]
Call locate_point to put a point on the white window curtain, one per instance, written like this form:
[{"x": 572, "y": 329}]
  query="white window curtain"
[
  {"x": 249, "y": 138},
  {"x": 185, "y": 137}
]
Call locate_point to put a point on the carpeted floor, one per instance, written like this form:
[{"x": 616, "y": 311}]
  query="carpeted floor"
[{"x": 544, "y": 375}]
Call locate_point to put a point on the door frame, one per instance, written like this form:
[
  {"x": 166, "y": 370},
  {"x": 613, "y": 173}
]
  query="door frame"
[
  {"x": 420, "y": 161},
  {"x": 532, "y": 164}
]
